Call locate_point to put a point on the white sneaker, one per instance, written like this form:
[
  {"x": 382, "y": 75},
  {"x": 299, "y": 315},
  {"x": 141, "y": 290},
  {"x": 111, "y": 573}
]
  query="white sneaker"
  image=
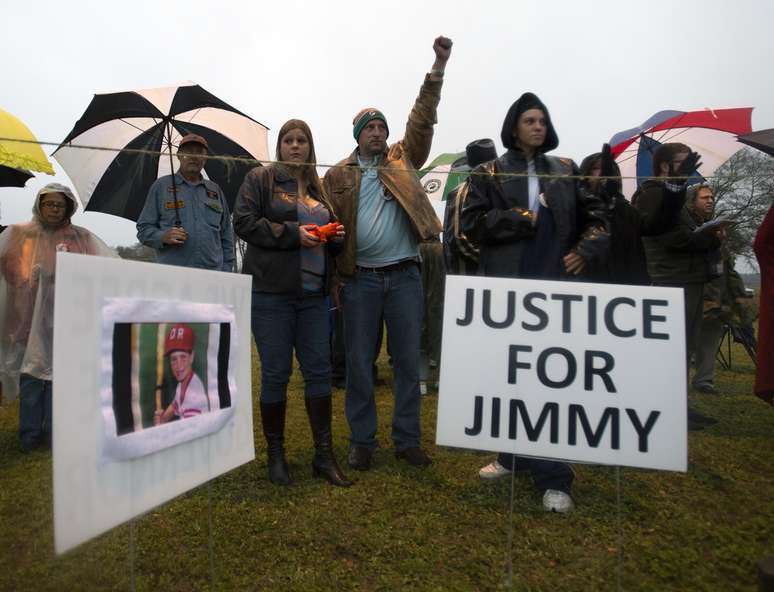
[
  {"x": 493, "y": 470},
  {"x": 557, "y": 501}
]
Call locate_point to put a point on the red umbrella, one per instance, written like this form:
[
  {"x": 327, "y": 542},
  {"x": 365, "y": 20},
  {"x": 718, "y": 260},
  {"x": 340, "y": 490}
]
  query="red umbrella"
[{"x": 710, "y": 132}]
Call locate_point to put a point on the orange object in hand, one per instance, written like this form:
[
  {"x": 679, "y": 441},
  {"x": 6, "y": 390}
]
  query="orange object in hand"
[{"x": 324, "y": 233}]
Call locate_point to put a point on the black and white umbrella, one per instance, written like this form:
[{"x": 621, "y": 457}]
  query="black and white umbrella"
[{"x": 148, "y": 124}]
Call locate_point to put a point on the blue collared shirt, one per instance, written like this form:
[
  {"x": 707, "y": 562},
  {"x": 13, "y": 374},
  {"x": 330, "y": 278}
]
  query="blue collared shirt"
[{"x": 203, "y": 214}]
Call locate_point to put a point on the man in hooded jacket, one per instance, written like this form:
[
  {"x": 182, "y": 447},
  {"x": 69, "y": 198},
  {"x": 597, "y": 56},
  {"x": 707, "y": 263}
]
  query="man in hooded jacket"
[
  {"x": 27, "y": 273},
  {"x": 528, "y": 226}
]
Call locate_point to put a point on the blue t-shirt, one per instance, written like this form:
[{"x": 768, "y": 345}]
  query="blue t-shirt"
[
  {"x": 384, "y": 233},
  {"x": 312, "y": 258}
]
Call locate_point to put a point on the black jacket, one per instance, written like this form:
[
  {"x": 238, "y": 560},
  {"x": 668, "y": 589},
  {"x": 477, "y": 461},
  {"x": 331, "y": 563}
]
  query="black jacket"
[
  {"x": 266, "y": 218},
  {"x": 675, "y": 254},
  {"x": 625, "y": 262},
  {"x": 658, "y": 205},
  {"x": 681, "y": 256},
  {"x": 459, "y": 254},
  {"x": 493, "y": 216}
]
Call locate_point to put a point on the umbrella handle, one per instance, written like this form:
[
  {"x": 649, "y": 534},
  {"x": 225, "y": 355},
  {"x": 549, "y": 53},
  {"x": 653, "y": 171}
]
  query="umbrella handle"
[{"x": 178, "y": 224}]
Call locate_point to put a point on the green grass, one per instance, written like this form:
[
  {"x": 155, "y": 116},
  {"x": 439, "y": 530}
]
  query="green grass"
[{"x": 400, "y": 528}]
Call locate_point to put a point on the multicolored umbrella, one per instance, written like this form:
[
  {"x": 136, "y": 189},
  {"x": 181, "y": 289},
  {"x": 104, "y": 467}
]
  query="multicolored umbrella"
[
  {"x": 438, "y": 180},
  {"x": 149, "y": 124},
  {"x": 710, "y": 132}
]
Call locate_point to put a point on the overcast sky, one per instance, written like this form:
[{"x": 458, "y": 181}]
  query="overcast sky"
[{"x": 600, "y": 66}]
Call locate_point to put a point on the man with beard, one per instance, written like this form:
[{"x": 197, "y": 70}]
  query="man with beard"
[{"x": 377, "y": 196}]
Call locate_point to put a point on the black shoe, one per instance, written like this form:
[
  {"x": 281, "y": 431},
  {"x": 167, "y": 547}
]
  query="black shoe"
[
  {"x": 694, "y": 415},
  {"x": 414, "y": 456},
  {"x": 29, "y": 446},
  {"x": 360, "y": 458},
  {"x": 707, "y": 389},
  {"x": 698, "y": 421}
]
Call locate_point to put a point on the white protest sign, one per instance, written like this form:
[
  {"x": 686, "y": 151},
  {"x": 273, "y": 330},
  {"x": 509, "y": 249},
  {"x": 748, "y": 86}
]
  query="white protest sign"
[
  {"x": 564, "y": 370},
  {"x": 114, "y": 456}
]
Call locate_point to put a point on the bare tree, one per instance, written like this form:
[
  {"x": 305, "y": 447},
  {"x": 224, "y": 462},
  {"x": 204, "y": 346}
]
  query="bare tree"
[{"x": 744, "y": 190}]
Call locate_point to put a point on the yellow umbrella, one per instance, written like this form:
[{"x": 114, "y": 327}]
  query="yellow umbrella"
[{"x": 25, "y": 154}]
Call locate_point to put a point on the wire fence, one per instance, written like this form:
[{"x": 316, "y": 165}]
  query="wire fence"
[{"x": 248, "y": 160}]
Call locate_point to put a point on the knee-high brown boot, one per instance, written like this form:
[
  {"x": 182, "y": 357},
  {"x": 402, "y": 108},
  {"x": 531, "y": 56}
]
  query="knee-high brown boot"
[{"x": 324, "y": 463}]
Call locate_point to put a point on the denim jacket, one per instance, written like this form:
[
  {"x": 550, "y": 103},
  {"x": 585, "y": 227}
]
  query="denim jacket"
[{"x": 204, "y": 215}]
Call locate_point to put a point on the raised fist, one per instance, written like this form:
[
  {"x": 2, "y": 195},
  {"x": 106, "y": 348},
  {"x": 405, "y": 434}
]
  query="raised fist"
[{"x": 442, "y": 47}]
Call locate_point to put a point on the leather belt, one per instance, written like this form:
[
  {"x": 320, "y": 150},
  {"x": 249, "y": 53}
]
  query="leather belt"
[{"x": 400, "y": 266}]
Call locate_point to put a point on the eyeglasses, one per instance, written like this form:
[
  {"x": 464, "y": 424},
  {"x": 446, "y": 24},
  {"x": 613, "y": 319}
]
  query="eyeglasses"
[{"x": 49, "y": 205}]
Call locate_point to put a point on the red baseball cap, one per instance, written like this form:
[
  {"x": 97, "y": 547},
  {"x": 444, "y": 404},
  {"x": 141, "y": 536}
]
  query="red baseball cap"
[{"x": 179, "y": 337}]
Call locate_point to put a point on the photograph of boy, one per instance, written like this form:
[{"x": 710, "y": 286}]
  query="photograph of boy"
[{"x": 191, "y": 397}]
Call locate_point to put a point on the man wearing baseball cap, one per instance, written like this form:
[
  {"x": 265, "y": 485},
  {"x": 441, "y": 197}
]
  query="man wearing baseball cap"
[
  {"x": 186, "y": 217},
  {"x": 191, "y": 398},
  {"x": 377, "y": 196}
]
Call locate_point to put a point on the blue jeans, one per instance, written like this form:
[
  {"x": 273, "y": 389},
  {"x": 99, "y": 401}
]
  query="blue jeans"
[
  {"x": 546, "y": 474},
  {"x": 396, "y": 295},
  {"x": 281, "y": 322},
  {"x": 34, "y": 411}
]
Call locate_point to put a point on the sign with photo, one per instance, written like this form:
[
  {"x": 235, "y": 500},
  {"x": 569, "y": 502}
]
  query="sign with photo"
[
  {"x": 151, "y": 387},
  {"x": 564, "y": 370},
  {"x": 157, "y": 373}
]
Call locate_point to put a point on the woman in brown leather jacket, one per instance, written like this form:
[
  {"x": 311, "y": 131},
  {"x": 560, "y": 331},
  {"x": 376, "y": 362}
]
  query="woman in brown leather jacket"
[{"x": 278, "y": 211}]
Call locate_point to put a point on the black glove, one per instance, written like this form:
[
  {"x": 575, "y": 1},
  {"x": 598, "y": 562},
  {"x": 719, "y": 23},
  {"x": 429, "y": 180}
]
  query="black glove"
[
  {"x": 608, "y": 169},
  {"x": 685, "y": 169},
  {"x": 606, "y": 161}
]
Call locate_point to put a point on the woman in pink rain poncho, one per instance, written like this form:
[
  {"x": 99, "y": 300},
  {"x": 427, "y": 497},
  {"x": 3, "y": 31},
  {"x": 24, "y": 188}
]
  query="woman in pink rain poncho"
[{"x": 27, "y": 274}]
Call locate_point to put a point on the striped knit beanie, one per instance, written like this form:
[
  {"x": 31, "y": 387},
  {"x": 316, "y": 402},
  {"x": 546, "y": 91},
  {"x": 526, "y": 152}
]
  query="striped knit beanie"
[{"x": 362, "y": 119}]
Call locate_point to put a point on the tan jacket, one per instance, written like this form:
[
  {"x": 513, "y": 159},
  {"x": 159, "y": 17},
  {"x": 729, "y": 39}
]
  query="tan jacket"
[{"x": 398, "y": 172}]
